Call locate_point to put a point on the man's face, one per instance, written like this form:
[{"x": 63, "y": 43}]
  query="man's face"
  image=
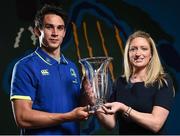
[{"x": 52, "y": 32}]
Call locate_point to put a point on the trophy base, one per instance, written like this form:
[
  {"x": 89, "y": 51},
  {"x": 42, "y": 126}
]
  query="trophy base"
[{"x": 99, "y": 103}]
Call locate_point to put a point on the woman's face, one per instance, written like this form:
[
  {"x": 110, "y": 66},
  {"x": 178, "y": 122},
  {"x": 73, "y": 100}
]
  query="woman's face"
[{"x": 139, "y": 53}]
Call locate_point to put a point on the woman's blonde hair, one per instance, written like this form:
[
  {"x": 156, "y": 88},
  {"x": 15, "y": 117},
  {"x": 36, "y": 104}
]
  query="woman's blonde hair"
[{"x": 155, "y": 70}]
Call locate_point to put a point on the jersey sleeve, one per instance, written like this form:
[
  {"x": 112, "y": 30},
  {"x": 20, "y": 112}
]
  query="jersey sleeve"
[
  {"x": 22, "y": 83},
  {"x": 164, "y": 95}
]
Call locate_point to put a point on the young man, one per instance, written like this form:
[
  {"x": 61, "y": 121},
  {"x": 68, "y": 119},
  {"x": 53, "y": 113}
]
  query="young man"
[{"x": 45, "y": 86}]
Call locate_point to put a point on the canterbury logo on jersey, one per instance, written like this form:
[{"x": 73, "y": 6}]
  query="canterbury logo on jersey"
[
  {"x": 44, "y": 72},
  {"x": 73, "y": 74}
]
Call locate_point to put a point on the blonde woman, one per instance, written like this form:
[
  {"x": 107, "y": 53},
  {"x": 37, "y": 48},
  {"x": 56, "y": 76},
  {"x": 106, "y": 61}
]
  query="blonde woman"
[{"x": 142, "y": 97}]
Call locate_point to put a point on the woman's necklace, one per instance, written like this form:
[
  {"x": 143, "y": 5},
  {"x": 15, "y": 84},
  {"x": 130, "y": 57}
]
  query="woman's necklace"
[{"x": 135, "y": 78}]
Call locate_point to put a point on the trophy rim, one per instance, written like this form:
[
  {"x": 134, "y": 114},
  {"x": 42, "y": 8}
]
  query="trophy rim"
[{"x": 94, "y": 58}]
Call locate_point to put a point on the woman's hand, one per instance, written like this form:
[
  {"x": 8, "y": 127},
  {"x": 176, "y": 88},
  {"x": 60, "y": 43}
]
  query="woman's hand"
[{"x": 111, "y": 108}]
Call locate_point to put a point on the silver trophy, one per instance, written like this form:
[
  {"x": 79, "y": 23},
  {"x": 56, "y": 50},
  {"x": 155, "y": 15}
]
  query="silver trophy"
[{"x": 96, "y": 71}]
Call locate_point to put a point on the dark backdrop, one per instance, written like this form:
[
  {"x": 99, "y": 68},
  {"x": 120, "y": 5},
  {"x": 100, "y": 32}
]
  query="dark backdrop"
[{"x": 97, "y": 28}]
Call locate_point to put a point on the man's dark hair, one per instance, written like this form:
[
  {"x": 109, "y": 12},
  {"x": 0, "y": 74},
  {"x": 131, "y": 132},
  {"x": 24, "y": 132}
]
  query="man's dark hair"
[{"x": 48, "y": 9}]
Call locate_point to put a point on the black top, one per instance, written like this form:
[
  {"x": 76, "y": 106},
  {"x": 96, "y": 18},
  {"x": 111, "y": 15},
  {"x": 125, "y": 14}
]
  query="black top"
[{"x": 142, "y": 99}]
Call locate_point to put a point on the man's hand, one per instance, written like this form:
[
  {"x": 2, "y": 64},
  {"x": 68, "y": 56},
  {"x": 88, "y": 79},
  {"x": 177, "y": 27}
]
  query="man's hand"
[{"x": 80, "y": 113}]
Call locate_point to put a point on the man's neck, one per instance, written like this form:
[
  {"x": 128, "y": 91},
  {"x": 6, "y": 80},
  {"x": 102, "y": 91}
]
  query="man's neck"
[{"x": 54, "y": 53}]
